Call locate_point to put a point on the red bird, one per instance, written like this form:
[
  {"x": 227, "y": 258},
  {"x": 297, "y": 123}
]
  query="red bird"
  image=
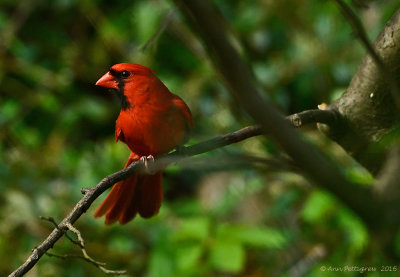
[{"x": 152, "y": 122}]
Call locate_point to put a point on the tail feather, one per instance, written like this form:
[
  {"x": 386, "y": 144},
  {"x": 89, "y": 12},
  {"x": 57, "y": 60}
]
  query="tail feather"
[
  {"x": 139, "y": 193},
  {"x": 126, "y": 190},
  {"x": 131, "y": 207},
  {"x": 151, "y": 195},
  {"x": 116, "y": 200},
  {"x": 116, "y": 192},
  {"x": 108, "y": 202}
]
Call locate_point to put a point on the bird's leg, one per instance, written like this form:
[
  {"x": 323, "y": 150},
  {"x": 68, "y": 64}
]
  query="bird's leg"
[{"x": 145, "y": 160}]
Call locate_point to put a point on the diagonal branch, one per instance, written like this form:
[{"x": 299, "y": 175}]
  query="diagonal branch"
[
  {"x": 90, "y": 194},
  {"x": 161, "y": 28},
  {"x": 238, "y": 78},
  {"x": 359, "y": 30}
]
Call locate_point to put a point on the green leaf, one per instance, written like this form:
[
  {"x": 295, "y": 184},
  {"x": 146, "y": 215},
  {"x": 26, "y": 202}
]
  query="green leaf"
[
  {"x": 9, "y": 110},
  {"x": 318, "y": 204},
  {"x": 27, "y": 136},
  {"x": 161, "y": 263},
  {"x": 187, "y": 256},
  {"x": 355, "y": 230},
  {"x": 193, "y": 228},
  {"x": 359, "y": 174},
  {"x": 227, "y": 256},
  {"x": 263, "y": 237},
  {"x": 253, "y": 235}
]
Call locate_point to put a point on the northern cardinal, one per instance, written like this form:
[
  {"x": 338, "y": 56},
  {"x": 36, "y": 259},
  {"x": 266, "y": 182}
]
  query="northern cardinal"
[{"x": 152, "y": 122}]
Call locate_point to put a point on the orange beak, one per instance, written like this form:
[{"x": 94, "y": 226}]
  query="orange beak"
[{"x": 107, "y": 81}]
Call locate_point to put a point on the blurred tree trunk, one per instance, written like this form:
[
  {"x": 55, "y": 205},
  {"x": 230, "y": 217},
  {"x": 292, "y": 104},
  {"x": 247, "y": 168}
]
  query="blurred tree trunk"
[{"x": 365, "y": 125}]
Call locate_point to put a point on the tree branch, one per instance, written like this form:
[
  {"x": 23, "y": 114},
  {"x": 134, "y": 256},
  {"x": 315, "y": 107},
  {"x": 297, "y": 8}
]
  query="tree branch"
[
  {"x": 161, "y": 28},
  {"x": 387, "y": 184},
  {"x": 81, "y": 243},
  {"x": 238, "y": 78},
  {"x": 90, "y": 194},
  {"x": 359, "y": 30},
  {"x": 369, "y": 103}
]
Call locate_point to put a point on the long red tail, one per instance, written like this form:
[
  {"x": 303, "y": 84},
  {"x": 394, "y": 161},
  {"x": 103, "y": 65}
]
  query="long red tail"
[{"x": 139, "y": 193}]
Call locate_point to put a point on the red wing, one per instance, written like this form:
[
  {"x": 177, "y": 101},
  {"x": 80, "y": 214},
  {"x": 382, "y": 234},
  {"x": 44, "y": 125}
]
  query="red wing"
[
  {"x": 186, "y": 113},
  {"x": 119, "y": 135}
]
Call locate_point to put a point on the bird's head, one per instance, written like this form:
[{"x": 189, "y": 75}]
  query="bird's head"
[{"x": 121, "y": 75}]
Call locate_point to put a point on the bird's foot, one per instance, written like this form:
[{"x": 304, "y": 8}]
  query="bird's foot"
[{"x": 149, "y": 167}]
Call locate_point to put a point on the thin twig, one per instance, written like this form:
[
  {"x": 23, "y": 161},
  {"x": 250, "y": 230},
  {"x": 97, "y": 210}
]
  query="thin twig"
[
  {"x": 66, "y": 256},
  {"x": 100, "y": 265},
  {"x": 81, "y": 243},
  {"x": 51, "y": 220},
  {"x": 74, "y": 256},
  {"x": 161, "y": 28},
  {"x": 90, "y": 194}
]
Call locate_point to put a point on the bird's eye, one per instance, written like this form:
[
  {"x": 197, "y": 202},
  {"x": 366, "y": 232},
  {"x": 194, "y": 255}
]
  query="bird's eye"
[{"x": 125, "y": 74}]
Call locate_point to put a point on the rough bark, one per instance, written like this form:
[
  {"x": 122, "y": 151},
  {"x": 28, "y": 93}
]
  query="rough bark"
[{"x": 369, "y": 114}]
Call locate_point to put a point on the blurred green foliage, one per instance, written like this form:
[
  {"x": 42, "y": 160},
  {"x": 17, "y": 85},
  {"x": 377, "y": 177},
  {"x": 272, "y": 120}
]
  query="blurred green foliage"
[{"x": 56, "y": 136}]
